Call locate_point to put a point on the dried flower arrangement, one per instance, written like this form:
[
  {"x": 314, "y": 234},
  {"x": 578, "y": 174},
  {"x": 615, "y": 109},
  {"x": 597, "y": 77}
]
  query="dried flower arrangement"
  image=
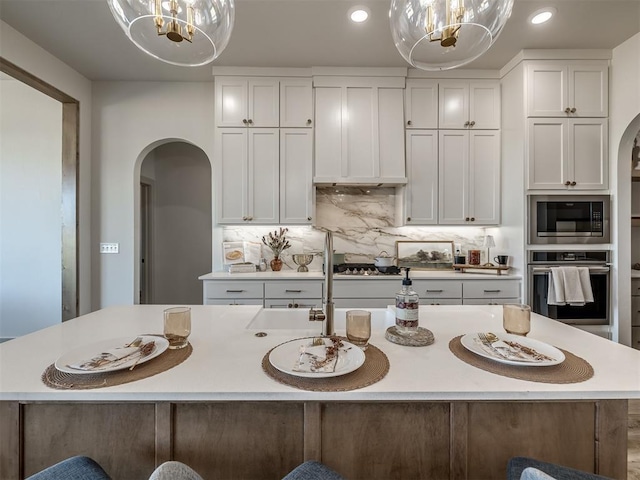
[{"x": 277, "y": 241}]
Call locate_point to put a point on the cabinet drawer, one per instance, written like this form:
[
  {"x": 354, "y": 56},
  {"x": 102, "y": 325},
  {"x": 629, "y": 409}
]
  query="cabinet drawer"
[
  {"x": 635, "y": 287},
  {"x": 233, "y": 301},
  {"x": 437, "y": 289},
  {"x": 233, "y": 290},
  {"x": 288, "y": 290},
  {"x": 635, "y": 311},
  {"x": 367, "y": 288},
  {"x": 491, "y": 289}
]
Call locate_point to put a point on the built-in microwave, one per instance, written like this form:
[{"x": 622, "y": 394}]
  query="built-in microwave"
[{"x": 566, "y": 219}]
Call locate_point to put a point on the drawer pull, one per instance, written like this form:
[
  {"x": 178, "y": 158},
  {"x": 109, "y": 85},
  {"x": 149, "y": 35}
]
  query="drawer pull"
[
  {"x": 293, "y": 291},
  {"x": 434, "y": 291},
  {"x": 492, "y": 291},
  {"x": 235, "y": 291}
]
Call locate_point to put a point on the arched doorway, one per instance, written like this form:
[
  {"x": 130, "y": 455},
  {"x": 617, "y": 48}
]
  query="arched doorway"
[{"x": 175, "y": 223}]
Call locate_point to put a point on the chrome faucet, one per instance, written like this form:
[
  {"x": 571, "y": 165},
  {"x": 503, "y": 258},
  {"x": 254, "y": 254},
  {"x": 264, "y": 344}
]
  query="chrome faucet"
[{"x": 327, "y": 314}]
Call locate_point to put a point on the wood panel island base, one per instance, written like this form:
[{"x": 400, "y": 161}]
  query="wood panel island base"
[{"x": 432, "y": 417}]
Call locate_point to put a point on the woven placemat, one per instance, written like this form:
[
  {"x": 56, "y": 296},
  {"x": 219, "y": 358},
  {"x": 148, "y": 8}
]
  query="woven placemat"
[
  {"x": 54, "y": 378},
  {"x": 573, "y": 370},
  {"x": 375, "y": 367}
]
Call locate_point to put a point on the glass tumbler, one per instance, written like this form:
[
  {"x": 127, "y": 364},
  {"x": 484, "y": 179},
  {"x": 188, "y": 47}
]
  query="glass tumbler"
[
  {"x": 516, "y": 319},
  {"x": 359, "y": 327},
  {"x": 177, "y": 326}
]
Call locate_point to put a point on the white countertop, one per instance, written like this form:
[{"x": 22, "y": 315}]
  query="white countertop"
[
  {"x": 226, "y": 360},
  {"x": 415, "y": 275}
]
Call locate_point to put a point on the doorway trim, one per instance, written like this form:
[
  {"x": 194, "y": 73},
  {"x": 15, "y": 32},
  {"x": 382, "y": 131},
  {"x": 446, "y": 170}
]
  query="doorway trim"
[{"x": 70, "y": 162}]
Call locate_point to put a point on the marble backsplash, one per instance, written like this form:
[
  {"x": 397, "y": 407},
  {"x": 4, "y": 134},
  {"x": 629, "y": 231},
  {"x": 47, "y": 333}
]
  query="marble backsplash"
[{"x": 362, "y": 221}]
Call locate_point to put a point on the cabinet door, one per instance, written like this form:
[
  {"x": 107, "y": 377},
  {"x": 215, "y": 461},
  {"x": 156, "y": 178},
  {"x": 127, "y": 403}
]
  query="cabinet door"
[
  {"x": 296, "y": 102},
  {"x": 296, "y": 187},
  {"x": 421, "y": 104},
  {"x": 359, "y": 132},
  {"x": 263, "y": 102},
  {"x": 231, "y": 102},
  {"x": 588, "y": 152},
  {"x": 328, "y": 130},
  {"x": 547, "y": 91},
  {"x": 263, "y": 168},
  {"x": 484, "y": 177},
  {"x": 231, "y": 152},
  {"x": 484, "y": 105},
  {"x": 454, "y": 105},
  {"x": 589, "y": 89},
  {"x": 421, "y": 192},
  {"x": 453, "y": 173},
  {"x": 547, "y": 155},
  {"x": 388, "y": 134}
]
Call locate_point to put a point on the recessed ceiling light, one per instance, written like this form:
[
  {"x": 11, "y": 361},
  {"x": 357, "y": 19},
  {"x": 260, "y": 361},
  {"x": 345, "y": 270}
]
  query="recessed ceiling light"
[
  {"x": 541, "y": 16},
  {"x": 359, "y": 14}
]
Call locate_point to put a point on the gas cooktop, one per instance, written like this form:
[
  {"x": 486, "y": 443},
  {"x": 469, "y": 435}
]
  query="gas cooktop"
[{"x": 364, "y": 269}]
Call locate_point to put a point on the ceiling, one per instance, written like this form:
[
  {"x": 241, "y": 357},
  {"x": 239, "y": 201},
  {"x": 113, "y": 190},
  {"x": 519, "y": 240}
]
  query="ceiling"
[{"x": 300, "y": 33}]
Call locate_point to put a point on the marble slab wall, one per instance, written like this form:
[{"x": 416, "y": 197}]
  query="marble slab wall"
[{"x": 362, "y": 221}]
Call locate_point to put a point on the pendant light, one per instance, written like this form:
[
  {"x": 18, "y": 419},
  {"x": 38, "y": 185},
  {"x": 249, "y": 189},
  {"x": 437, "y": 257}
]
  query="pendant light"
[
  {"x": 445, "y": 34},
  {"x": 180, "y": 32}
]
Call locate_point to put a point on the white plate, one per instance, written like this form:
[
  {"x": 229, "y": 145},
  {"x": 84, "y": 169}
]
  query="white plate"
[
  {"x": 87, "y": 352},
  {"x": 284, "y": 358},
  {"x": 471, "y": 342}
]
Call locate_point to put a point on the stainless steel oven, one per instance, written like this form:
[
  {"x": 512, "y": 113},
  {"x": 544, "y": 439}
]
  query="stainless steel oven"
[
  {"x": 563, "y": 219},
  {"x": 592, "y": 313}
]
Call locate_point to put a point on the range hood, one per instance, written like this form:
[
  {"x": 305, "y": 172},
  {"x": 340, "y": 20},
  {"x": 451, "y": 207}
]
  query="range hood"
[{"x": 359, "y": 181}]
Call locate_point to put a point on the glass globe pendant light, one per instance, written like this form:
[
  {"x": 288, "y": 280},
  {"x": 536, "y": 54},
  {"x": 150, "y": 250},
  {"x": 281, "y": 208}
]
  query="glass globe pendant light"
[
  {"x": 445, "y": 34},
  {"x": 180, "y": 32}
]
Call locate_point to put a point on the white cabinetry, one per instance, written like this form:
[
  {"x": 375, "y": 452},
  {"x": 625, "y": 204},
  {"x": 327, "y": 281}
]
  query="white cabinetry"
[
  {"x": 296, "y": 160},
  {"x": 248, "y": 184},
  {"x": 469, "y": 177},
  {"x": 359, "y": 134},
  {"x": 469, "y": 104},
  {"x": 438, "y": 292},
  {"x": 421, "y": 103},
  {"x": 225, "y": 292},
  {"x": 490, "y": 292},
  {"x": 421, "y": 191},
  {"x": 249, "y": 102},
  {"x": 567, "y": 154},
  {"x": 293, "y": 294},
  {"x": 568, "y": 89},
  {"x": 296, "y": 102}
]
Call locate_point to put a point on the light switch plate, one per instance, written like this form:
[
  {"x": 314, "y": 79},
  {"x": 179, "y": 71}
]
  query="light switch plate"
[{"x": 109, "y": 248}]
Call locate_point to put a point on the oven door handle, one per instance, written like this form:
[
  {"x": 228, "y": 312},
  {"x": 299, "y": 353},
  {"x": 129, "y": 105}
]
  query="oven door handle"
[{"x": 538, "y": 270}]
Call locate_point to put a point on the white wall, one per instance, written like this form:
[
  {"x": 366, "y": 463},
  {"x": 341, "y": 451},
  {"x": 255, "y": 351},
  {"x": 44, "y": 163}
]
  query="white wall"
[
  {"x": 624, "y": 124},
  {"x": 21, "y": 51},
  {"x": 129, "y": 120},
  {"x": 30, "y": 199}
]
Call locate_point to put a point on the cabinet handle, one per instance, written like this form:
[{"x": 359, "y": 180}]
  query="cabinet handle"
[
  {"x": 408, "y": 219},
  {"x": 293, "y": 291},
  {"x": 250, "y": 122},
  {"x": 567, "y": 110},
  {"x": 309, "y": 218},
  {"x": 466, "y": 219},
  {"x": 295, "y": 305},
  {"x": 473, "y": 219},
  {"x": 290, "y": 305},
  {"x": 466, "y": 124},
  {"x": 473, "y": 122},
  {"x": 573, "y": 184},
  {"x": 235, "y": 291},
  {"x": 434, "y": 291},
  {"x": 308, "y": 121},
  {"x": 492, "y": 291},
  {"x": 244, "y": 120},
  {"x": 567, "y": 183},
  {"x": 244, "y": 218},
  {"x": 573, "y": 109},
  {"x": 409, "y": 122}
]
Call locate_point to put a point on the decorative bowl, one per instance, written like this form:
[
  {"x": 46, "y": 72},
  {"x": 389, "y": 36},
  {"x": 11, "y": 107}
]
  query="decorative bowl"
[{"x": 302, "y": 260}]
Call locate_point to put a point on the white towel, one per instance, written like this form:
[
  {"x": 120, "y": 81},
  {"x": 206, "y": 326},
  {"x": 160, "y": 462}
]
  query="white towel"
[{"x": 569, "y": 286}]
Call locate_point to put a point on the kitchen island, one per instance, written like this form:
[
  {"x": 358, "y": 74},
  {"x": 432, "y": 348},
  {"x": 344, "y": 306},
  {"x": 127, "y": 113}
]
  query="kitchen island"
[{"x": 432, "y": 416}]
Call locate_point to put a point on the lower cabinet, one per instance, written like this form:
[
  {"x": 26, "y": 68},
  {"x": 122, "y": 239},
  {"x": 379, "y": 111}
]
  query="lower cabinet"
[
  {"x": 292, "y": 294},
  {"x": 491, "y": 292},
  {"x": 233, "y": 293}
]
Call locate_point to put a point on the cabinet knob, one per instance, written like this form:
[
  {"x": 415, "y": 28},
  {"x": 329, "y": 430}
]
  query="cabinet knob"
[
  {"x": 308, "y": 121},
  {"x": 250, "y": 122},
  {"x": 573, "y": 109},
  {"x": 290, "y": 305},
  {"x": 409, "y": 122},
  {"x": 473, "y": 219},
  {"x": 573, "y": 184},
  {"x": 244, "y": 120},
  {"x": 567, "y": 183},
  {"x": 466, "y": 219},
  {"x": 295, "y": 305},
  {"x": 244, "y": 218},
  {"x": 473, "y": 122},
  {"x": 408, "y": 219},
  {"x": 309, "y": 218},
  {"x": 567, "y": 110},
  {"x": 466, "y": 124}
]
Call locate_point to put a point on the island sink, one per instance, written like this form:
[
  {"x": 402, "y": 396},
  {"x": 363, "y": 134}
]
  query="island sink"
[{"x": 298, "y": 319}]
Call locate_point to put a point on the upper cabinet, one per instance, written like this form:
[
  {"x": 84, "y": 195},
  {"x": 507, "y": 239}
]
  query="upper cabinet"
[
  {"x": 248, "y": 102},
  {"x": 296, "y": 189},
  {"x": 421, "y": 104},
  {"x": 359, "y": 133},
  {"x": 421, "y": 191},
  {"x": 296, "y": 103},
  {"x": 568, "y": 89},
  {"x": 469, "y": 104}
]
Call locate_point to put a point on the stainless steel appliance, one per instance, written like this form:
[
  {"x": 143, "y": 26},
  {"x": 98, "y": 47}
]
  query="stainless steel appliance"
[
  {"x": 563, "y": 219},
  {"x": 593, "y": 313}
]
